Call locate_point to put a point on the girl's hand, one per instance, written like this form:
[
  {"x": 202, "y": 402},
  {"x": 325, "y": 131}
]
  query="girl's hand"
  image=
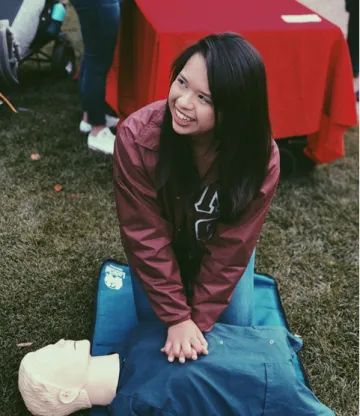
[
  {"x": 185, "y": 340},
  {"x": 182, "y": 358}
]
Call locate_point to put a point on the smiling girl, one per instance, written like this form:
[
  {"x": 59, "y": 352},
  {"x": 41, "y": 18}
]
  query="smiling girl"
[{"x": 194, "y": 178}]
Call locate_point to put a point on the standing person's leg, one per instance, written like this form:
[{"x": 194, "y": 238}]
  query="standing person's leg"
[
  {"x": 241, "y": 308},
  {"x": 99, "y": 21},
  {"x": 101, "y": 33},
  {"x": 353, "y": 36},
  {"x": 81, "y": 88}
]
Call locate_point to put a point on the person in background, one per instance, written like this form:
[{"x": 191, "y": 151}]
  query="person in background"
[
  {"x": 194, "y": 178},
  {"x": 352, "y": 7},
  {"x": 99, "y": 21}
]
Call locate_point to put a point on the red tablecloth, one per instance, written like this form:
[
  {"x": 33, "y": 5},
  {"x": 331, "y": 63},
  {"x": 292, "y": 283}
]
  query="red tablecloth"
[{"x": 308, "y": 65}]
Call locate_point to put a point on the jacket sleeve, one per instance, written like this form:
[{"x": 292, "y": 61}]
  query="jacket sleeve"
[
  {"x": 145, "y": 234},
  {"x": 229, "y": 252}
]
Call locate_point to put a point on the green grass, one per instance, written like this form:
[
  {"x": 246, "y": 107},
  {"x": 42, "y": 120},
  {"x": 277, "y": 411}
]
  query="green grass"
[{"x": 53, "y": 244}]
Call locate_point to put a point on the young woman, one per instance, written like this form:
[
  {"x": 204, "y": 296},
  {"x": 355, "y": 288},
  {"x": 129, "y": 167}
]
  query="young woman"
[{"x": 194, "y": 178}]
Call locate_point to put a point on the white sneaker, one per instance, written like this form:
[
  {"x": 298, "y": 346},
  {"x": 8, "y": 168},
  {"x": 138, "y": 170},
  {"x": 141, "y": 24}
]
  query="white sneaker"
[
  {"x": 110, "y": 121},
  {"x": 84, "y": 127},
  {"x": 103, "y": 142}
]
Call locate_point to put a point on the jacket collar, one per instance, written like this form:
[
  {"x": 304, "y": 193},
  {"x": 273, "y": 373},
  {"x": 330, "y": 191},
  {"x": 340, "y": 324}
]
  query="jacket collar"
[{"x": 152, "y": 117}]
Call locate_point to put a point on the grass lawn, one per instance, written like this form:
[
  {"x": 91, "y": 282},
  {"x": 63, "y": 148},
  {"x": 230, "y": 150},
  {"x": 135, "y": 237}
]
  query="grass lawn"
[{"x": 53, "y": 243}]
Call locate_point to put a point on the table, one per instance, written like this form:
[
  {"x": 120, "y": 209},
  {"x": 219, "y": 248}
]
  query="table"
[{"x": 308, "y": 65}]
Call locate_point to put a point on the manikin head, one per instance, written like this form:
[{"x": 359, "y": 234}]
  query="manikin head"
[
  {"x": 52, "y": 379},
  {"x": 63, "y": 378}
]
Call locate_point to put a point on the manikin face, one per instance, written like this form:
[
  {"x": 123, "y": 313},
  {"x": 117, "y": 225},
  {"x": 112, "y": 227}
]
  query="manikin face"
[
  {"x": 190, "y": 100},
  {"x": 64, "y": 364}
]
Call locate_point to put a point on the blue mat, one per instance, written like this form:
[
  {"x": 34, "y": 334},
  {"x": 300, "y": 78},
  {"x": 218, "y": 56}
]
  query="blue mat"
[{"x": 115, "y": 312}]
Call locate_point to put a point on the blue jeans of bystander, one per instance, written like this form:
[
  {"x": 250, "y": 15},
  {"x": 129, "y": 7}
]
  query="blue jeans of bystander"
[{"x": 99, "y": 21}]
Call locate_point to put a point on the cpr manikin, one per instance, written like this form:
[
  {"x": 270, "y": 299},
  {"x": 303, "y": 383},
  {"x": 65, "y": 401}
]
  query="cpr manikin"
[
  {"x": 63, "y": 378},
  {"x": 138, "y": 379}
]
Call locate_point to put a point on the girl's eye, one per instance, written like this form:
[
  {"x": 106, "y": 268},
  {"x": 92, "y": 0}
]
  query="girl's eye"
[
  {"x": 204, "y": 99},
  {"x": 181, "y": 81}
]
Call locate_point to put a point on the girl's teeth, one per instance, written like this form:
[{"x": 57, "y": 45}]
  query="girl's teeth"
[{"x": 182, "y": 116}]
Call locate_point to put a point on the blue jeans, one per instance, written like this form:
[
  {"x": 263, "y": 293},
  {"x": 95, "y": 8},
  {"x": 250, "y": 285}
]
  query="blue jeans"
[
  {"x": 99, "y": 21},
  {"x": 239, "y": 312}
]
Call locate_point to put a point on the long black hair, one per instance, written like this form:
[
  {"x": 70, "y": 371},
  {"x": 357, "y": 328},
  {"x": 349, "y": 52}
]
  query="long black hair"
[{"x": 242, "y": 132}]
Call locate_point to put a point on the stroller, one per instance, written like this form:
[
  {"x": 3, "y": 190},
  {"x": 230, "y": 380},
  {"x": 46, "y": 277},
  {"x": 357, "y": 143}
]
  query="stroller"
[{"x": 26, "y": 26}]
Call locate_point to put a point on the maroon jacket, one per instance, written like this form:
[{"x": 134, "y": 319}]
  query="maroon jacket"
[{"x": 150, "y": 226}]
